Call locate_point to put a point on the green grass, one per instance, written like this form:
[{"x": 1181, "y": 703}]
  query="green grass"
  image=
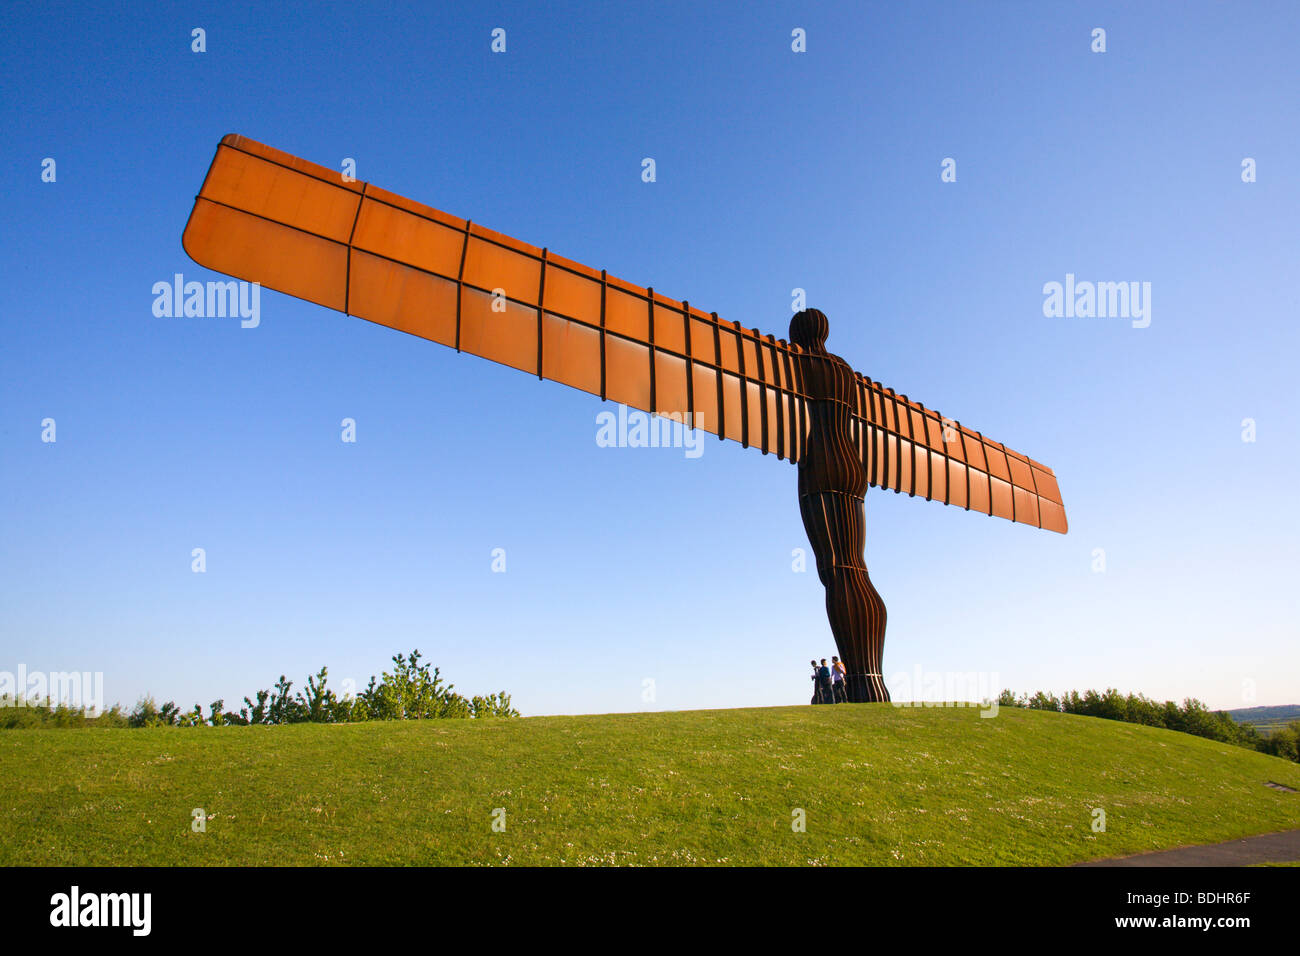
[{"x": 878, "y": 784}]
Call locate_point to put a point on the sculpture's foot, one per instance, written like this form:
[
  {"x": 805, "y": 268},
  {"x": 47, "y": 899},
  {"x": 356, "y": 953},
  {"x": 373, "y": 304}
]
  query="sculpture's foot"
[{"x": 867, "y": 689}]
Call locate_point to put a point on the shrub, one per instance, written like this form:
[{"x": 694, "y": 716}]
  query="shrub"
[{"x": 412, "y": 690}]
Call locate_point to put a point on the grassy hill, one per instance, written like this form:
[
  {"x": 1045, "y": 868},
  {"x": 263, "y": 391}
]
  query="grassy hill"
[{"x": 878, "y": 785}]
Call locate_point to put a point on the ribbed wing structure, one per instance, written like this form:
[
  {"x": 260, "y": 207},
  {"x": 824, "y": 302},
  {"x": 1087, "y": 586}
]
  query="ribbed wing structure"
[
  {"x": 915, "y": 450},
  {"x": 266, "y": 216},
  {"x": 299, "y": 228}
]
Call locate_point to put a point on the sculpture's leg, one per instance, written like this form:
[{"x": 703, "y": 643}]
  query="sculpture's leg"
[
  {"x": 857, "y": 616},
  {"x": 834, "y": 523}
]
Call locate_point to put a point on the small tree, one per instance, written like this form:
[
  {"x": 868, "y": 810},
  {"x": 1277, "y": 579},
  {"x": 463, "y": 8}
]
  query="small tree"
[
  {"x": 144, "y": 714},
  {"x": 317, "y": 705},
  {"x": 493, "y": 705},
  {"x": 284, "y": 708},
  {"x": 1284, "y": 742},
  {"x": 256, "y": 713}
]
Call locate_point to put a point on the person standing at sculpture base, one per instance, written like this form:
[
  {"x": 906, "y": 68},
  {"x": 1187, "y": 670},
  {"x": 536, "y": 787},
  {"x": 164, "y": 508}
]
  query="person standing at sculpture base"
[{"x": 838, "y": 672}]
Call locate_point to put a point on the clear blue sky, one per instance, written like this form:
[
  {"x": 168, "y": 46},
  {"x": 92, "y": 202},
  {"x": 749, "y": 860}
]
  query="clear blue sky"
[{"x": 776, "y": 170}]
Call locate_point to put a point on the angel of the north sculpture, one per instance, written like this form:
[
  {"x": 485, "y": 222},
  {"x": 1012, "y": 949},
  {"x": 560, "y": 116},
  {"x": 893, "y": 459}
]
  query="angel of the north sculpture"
[{"x": 265, "y": 216}]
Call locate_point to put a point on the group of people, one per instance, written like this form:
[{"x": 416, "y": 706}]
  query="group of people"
[{"x": 828, "y": 682}]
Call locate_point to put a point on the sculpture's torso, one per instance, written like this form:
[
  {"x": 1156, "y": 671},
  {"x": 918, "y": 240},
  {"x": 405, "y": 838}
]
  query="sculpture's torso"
[{"x": 830, "y": 462}]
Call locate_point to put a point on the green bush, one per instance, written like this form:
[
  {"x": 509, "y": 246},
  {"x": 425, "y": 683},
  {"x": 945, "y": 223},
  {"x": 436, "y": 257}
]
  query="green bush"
[
  {"x": 412, "y": 690},
  {"x": 17, "y": 713},
  {"x": 1284, "y": 742}
]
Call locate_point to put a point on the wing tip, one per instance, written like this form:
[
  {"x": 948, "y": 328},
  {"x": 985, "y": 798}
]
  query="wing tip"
[{"x": 1060, "y": 526}]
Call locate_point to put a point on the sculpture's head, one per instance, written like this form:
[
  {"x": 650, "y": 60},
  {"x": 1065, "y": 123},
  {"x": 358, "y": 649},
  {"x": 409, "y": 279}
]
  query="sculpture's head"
[{"x": 808, "y": 330}]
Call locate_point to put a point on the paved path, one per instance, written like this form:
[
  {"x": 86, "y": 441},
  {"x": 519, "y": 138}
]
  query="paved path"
[{"x": 1270, "y": 848}]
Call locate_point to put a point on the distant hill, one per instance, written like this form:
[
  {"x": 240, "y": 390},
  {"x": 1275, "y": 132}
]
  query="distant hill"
[
  {"x": 851, "y": 784},
  {"x": 1266, "y": 719}
]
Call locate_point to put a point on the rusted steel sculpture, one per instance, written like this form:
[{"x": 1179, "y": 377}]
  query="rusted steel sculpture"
[
  {"x": 266, "y": 216},
  {"x": 832, "y": 486}
]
